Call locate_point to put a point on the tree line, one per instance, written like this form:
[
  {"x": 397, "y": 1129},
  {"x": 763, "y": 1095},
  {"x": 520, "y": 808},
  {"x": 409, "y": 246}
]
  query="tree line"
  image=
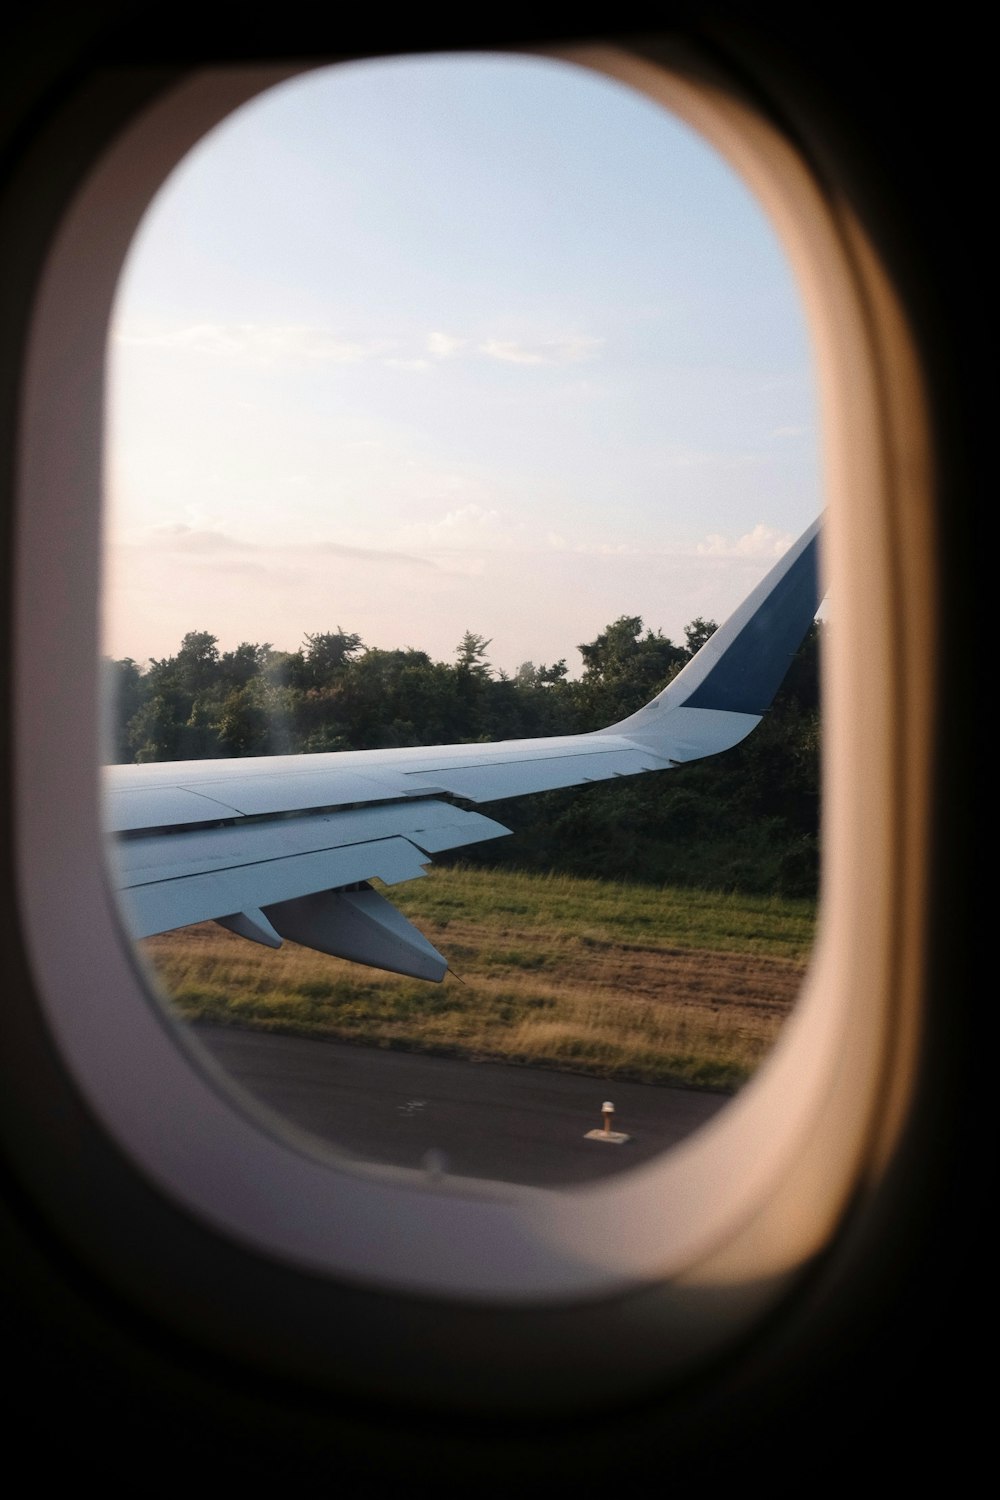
[{"x": 745, "y": 820}]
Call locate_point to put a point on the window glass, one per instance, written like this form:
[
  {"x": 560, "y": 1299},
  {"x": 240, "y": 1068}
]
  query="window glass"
[{"x": 453, "y": 400}]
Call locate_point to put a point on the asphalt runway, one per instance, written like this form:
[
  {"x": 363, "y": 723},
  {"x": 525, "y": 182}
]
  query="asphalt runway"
[{"x": 439, "y": 1115}]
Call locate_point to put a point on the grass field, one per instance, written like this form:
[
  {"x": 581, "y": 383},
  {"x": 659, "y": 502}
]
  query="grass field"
[{"x": 662, "y": 986}]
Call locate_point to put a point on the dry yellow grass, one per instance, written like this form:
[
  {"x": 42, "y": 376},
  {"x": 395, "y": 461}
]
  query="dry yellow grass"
[{"x": 553, "y": 974}]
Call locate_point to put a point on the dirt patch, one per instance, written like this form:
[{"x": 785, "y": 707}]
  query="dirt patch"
[{"x": 764, "y": 988}]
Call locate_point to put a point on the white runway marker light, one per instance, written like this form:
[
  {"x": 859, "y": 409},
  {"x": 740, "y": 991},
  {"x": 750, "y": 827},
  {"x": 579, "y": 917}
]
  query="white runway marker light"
[{"x": 612, "y": 1137}]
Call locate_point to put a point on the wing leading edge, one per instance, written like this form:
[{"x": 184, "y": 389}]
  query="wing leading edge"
[{"x": 278, "y": 847}]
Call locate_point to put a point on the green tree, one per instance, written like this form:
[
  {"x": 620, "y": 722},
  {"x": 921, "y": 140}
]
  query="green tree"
[
  {"x": 196, "y": 662},
  {"x": 471, "y": 654},
  {"x": 241, "y": 666},
  {"x": 327, "y": 652},
  {"x": 623, "y": 669},
  {"x": 697, "y": 633}
]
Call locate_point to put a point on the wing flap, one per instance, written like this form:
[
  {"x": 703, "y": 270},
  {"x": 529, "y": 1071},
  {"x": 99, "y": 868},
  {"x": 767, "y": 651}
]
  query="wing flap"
[
  {"x": 164, "y": 857},
  {"x": 160, "y": 906}
]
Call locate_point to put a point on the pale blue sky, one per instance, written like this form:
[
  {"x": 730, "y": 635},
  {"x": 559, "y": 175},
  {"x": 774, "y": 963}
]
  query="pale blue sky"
[{"x": 420, "y": 346}]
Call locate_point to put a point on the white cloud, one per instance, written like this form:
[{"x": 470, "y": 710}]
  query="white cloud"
[
  {"x": 568, "y": 351},
  {"x": 181, "y": 538},
  {"x": 444, "y": 345},
  {"x": 260, "y": 343},
  {"x": 762, "y": 541},
  {"x": 277, "y": 343},
  {"x": 469, "y": 525},
  {"x": 188, "y": 541},
  {"x": 697, "y": 458}
]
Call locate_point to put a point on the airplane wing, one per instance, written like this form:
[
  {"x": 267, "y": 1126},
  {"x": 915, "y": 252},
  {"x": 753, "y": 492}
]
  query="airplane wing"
[{"x": 277, "y": 847}]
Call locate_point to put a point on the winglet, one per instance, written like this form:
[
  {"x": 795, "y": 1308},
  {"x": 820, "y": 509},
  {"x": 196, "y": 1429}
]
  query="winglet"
[{"x": 732, "y": 680}]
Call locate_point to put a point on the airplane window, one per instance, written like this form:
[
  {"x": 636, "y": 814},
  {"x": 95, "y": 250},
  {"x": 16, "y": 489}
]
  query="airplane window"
[
  {"x": 257, "y": 1279},
  {"x": 453, "y": 401},
  {"x": 184, "y": 1184}
]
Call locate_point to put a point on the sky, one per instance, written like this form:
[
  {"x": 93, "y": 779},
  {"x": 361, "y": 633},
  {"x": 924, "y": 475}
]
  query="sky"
[{"x": 417, "y": 347}]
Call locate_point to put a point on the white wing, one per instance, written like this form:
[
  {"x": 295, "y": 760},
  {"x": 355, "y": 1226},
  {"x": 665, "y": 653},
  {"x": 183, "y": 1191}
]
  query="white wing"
[{"x": 284, "y": 846}]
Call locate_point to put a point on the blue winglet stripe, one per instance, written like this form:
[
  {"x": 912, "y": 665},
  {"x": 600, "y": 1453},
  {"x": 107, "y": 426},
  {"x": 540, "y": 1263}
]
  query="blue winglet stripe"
[{"x": 747, "y": 676}]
